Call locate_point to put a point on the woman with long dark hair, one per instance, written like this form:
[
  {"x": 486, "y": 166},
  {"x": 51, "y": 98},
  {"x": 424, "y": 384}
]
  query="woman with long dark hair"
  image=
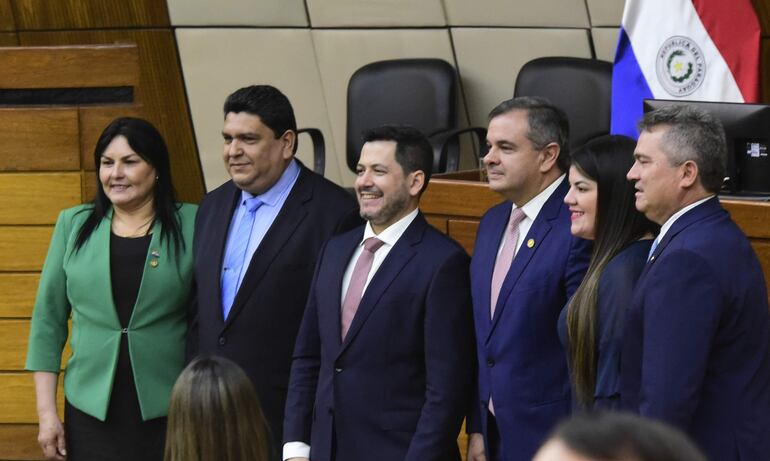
[
  {"x": 215, "y": 415},
  {"x": 601, "y": 202},
  {"x": 121, "y": 268}
]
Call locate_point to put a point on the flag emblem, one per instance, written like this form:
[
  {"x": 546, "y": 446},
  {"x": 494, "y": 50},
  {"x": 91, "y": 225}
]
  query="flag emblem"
[{"x": 681, "y": 66}]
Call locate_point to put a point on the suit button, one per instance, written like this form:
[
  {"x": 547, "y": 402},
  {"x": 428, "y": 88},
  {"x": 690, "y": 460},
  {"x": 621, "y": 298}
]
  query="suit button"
[
  {"x": 222, "y": 341},
  {"x": 338, "y": 370},
  {"x": 490, "y": 363}
]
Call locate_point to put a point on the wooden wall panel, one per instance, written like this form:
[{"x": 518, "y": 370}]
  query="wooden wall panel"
[
  {"x": 37, "y": 198},
  {"x": 75, "y": 68},
  {"x": 438, "y": 222},
  {"x": 7, "y": 22},
  {"x": 18, "y": 294},
  {"x": 88, "y": 14},
  {"x": 18, "y": 398},
  {"x": 13, "y": 344},
  {"x": 19, "y": 442},
  {"x": 23, "y": 248},
  {"x": 39, "y": 139},
  {"x": 161, "y": 91},
  {"x": 9, "y": 39},
  {"x": 762, "y": 8},
  {"x": 89, "y": 186},
  {"x": 93, "y": 120},
  {"x": 464, "y": 231}
]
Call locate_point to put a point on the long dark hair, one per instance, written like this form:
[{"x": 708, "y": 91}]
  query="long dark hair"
[
  {"x": 605, "y": 160},
  {"x": 148, "y": 143}
]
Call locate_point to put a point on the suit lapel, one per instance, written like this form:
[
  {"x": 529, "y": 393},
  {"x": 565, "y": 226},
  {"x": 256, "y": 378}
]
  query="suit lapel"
[
  {"x": 486, "y": 251},
  {"x": 289, "y": 218},
  {"x": 531, "y": 243},
  {"x": 99, "y": 243},
  {"x": 399, "y": 256},
  {"x": 220, "y": 226},
  {"x": 705, "y": 209}
]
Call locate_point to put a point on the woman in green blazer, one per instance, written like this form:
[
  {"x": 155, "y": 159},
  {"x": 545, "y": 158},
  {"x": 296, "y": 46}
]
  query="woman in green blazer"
[{"x": 121, "y": 268}]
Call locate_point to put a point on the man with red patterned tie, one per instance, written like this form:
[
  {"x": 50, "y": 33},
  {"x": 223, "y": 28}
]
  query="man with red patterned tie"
[{"x": 384, "y": 363}]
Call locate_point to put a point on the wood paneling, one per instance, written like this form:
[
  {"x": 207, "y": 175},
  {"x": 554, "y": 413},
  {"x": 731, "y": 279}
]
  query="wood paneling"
[
  {"x": 457, "y": 198},
  {"x": 6, "y": 16},
  {"x": 160, "y": 90},
  {"x": 464, "y": 231},
  {"x": 44, "y": 67},
  {"x": 18, "y": 398},
  {"x": 89, "y": 14},
  {"x": 93, "y": 120},
  {"x": 19, "y": 442},
  {"x": 89, "y": 186},
  {"x": 18, "y": 294},
  {"x": 23, "y": 248},
  {"x": 39, "y": 139},
  {"x": 9, "y": 39},
  {"x": 437, "y": 222},
  {"x": 37, "y": 198},
  {"x": 13, "y": 344}
]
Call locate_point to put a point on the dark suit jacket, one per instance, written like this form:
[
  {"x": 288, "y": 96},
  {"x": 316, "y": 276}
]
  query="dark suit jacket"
[
  {"x": 397, "y": 387},
  {"x": 521, "y": 361},
  {"x": 259, "y": 332},
  {"x": 697, "y": 340}
]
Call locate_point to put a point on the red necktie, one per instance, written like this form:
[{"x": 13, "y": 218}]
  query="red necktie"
[{"x": 357, "y": 282}]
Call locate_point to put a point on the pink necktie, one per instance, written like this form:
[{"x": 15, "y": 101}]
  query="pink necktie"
[
  {"x": 502, "y": 264},
  {"x": 357, "y": 282},
  {"x": 504, "y": 259}
]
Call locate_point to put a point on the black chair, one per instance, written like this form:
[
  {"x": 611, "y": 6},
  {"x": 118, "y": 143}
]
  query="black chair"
[
  {"x": 580, "y": 87},
  {"x": 418, "y": 92},
  {"x": 319, "y": 148}
]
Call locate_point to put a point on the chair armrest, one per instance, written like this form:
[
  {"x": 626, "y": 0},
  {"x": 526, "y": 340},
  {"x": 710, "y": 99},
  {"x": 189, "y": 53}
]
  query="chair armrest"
[
  {"x": 319, "y": 148},
  {"x": 451, "y": 159}
]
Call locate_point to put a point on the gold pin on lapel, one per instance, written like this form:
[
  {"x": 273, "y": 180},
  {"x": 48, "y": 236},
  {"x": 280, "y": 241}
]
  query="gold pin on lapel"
[
  {"x": 530, "y": 243},
  {"x": 155, "y": 256}
]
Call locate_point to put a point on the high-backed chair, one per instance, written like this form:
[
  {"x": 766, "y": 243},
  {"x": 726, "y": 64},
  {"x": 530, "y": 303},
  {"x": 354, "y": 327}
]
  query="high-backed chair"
[
  {"x": 580, "y": 87},
  {"x": 416, "y": 92}
]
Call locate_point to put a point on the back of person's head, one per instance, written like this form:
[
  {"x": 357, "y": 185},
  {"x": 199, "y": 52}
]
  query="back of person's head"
[
  {"x": 547, "y": 124},
  {"x": 413, "y": 150},
  {"x": 618, "y": 223},
  {"x": 266, "y": 102},
  {"x": 692, "y": 134},
  {"x": 215, "y": 415},
  {"x": 618, "y": 437}
]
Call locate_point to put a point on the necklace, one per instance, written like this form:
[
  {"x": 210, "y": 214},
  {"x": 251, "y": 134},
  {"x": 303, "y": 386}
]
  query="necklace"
[{"x": 125, "y": 229}]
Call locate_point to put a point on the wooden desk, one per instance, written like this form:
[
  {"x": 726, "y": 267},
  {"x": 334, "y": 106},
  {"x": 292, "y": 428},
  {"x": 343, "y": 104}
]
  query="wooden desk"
[{"x": 455, "y": 202}]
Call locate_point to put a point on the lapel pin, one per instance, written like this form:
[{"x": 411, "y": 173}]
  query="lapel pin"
[
  {"x": 530, "y": 243},
  {"x": 155, "y": 255}
]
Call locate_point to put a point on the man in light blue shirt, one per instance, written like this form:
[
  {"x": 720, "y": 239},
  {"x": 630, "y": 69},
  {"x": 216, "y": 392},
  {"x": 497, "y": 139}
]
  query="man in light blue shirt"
[{"x": 257, "y": 238}]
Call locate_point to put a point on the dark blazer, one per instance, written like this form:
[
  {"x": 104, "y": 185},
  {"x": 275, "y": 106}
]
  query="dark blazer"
[
  {"x": 259, "y": 332},
  {"x": 521, "y": 361},
  {"x": 397, "y": 387},
  {"x": 697, "y": 343}
]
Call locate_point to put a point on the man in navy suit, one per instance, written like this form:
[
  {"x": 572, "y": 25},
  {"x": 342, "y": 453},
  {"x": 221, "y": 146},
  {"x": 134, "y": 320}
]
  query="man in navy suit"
[
  {"x": 256, "y": 242},
  {"x": 526, "y": 264},
  {"x": 383, "y": 364},
  {"x": 697, "y": 341}
]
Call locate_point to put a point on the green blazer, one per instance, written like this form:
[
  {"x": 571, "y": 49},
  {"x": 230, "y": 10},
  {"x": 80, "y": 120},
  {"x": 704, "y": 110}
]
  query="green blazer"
[{"x": 78, "y": 284}]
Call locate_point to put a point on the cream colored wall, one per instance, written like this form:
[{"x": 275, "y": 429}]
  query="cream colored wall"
[{"x": 309, "y": 49}]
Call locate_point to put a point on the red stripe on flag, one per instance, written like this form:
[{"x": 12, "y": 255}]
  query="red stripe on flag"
[{"x": 734, "y": 28}]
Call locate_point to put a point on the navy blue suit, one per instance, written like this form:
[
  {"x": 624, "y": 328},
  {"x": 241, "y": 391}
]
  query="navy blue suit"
[
  {"x": 397, "y": 387},
  {"x": 697, "y": 342},
  {"x": 521, "y": 361}
]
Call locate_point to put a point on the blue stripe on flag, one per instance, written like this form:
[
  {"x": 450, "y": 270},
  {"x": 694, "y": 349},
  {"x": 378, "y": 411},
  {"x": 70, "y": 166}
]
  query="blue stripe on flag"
[{"x": 629, "y": 89}]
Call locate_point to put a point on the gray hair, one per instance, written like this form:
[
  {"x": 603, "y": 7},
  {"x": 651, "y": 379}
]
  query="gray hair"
[
  {"x": 547, "y": 124},
  {"x": 693, "y": 134}
]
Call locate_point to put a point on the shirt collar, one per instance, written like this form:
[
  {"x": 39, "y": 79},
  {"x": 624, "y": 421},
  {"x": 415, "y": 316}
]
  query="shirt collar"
[
  {"x": 532, "y": 208},
  {"x": 394, "y": 232},
  {"x": 670, "y": 221},
  {"x": 271, "y": 196}
]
